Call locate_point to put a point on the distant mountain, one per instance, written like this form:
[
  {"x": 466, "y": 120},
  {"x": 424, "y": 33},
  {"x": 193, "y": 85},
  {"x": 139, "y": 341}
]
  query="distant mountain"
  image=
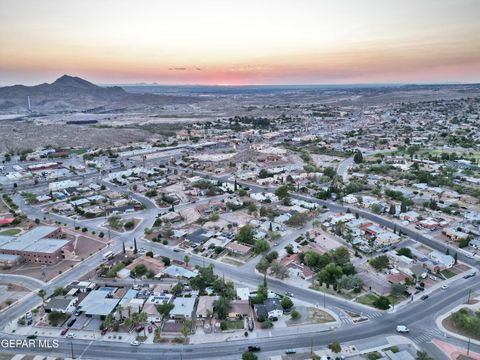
[
  {"x": 62, "y": 87},
  {"x": 70, "y": 93}
]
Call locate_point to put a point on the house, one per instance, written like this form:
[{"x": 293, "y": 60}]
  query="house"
[
  {"x": 239, "y": 249},
  {"x": 444, "y": 260},
  {"x": 239, "y": 309},
  {"x": 183, "y": 308},
  {"x": 205, "y": 306},
  {"x": 178, "y": 272},
  {"x": 260, "y": 312},
  {"x": 428, "y": 224},
  {"x": 152, "y": 313},
  {"x": 418, "y": 271},
  {"x": 98, "y": 304},
  {"x": 455, "y": 235},
  {"x": 63, "y": 304},
  {"x": 273, "y": 307},
  {"x": 199, "y": 236},
  {"x": 410, "y": 216}
]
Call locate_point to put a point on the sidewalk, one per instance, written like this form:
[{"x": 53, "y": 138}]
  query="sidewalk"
[
  {"x": 439, "y": 321},
  {"x": 427, "y": 292}
]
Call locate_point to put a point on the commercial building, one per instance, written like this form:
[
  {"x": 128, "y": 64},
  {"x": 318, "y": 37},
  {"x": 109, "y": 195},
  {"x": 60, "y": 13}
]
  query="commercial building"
[{"x": 39, "y": 245}]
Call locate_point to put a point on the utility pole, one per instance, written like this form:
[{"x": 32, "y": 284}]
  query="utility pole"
[
  {"x": 469, "y": 293},
  {"x": 71, "y": 347},
  {"x": 468, "y": 346},
  {"x": 324, "y": 296}
]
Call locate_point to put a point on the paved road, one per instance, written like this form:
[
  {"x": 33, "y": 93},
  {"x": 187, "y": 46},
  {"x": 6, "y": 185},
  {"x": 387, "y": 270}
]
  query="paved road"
[{"x": 417, "y": 316}]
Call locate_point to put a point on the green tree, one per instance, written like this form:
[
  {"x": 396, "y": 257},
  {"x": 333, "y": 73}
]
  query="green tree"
[
  {"x": 186, "y": 259},
  {"x": 247, "y": 355},
  {"x": 422, "y": 355},
  {"x": 335, "y": 347},
  {"x": 405, "y": 252},
  {"x": 282, "y": 192},
  {"x": 297, "y": 219},
  {"x": 358, "y": 157},
  {"x": 380, "y": 262},
  {"x": 262, "y": 266},
  {"x": 376, "y": 208},
  {"x": 278, "y": 270},
  {"x": 397, "y": 290},
  {"x": 382, "y": 303},
  {"x": 246, "y": 234},
  {"x": 185, "y": 330},
  {"x": 295, "y": 315},
  {"x": 60, "y": 291},
  {"x": 222, "y": 307},
  {"x": 329, "y": 274},
  {"x": 42, "y": 293},
  {"x": 286, "y": 302},
  {"x": 261, "y": 246},
  {"x": 341, "y": 256}
]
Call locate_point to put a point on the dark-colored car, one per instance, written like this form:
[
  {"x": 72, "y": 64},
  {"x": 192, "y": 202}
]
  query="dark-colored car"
[
  {"x": 104, "y": 331},
  {"x": 150, "y": 329},
  {"x": 250, "y": 324},
  {"x": 424, "y": 297},
  {"x": 33, "y": 336},
  {"x": 71, "y": 322},
  {"x": 64, "y": 331},
  {"x": 252, "y": 348}
]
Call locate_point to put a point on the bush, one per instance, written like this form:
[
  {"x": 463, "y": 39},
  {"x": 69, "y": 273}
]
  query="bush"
[
  {"x": 295, "y": 315},
  {"x": 382, "y": 303},
  {"x": 129, "y": 225},
  {"x": 267, "y": 324}
]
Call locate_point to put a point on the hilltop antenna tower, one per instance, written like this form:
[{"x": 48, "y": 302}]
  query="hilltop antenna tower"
[{"x": 28, "y": 104}]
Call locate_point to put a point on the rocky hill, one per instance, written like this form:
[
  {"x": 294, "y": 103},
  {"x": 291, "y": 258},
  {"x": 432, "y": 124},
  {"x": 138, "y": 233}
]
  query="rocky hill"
[{"x": 69, "y": 93}]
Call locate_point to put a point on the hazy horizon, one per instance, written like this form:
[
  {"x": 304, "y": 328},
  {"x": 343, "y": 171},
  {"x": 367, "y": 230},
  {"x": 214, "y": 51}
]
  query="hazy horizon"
[{"x": 214, "y": 42}]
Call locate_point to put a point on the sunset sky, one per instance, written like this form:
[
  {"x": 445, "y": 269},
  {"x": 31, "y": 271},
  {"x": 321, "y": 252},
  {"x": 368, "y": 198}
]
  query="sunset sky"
[{"x": 240, "y": 42}]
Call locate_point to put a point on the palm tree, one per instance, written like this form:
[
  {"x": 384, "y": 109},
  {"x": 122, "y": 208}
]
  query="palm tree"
[
  {"x": 186, "y": 259},
  {"x": 42, "y": 293}
]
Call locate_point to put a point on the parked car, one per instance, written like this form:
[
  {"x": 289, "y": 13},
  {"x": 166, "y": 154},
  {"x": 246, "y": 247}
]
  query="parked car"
[
  {"x": 71, "y": 336},
  {"x": 252, "y": 348},
  {"x": 273, "y": 318},
  {"x": 139, "y": 328},
  {"x": 104, "y": 331},
  {"x": 424, "y": 297},
  {"x": 135, "y": 343},
  {"x": 150, "y": 329},
  {"x": 77, "y": 313},
  {"x": 468, "y": 276},
  {"x": 290, "y": 351},
  {"x": 33, "y": 336},
  {"x": 289, "y": 294},
  {"x": 250, "y": 324},
  {"x": 64, "y": 331},
  {"x": 444, "y": 286}
]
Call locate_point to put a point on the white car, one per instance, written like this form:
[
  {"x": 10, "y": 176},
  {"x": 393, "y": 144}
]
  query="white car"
[
  {"x": 135, "y": 343},
  {"x": 71, "y": 336},
  {"x": 444, "y": 286},
  {"x": 402, "y": 329}
]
